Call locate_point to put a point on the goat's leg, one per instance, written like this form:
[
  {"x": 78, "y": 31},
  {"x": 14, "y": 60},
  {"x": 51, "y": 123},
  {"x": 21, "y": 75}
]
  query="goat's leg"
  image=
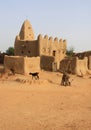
[{"x": 37, "y": 77}]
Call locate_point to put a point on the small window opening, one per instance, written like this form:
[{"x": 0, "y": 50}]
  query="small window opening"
[{"x": 54, "y": 53}]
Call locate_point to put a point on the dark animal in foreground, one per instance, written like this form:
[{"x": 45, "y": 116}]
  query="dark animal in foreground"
[
  {"x": 34, "y": 75},
  {"x": 65, "y": 80}
]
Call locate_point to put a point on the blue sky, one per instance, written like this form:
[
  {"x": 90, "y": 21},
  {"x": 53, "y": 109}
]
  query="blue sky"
[{"x": 66, "y": 19}]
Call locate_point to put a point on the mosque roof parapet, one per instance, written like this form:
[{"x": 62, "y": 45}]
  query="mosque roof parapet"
[
  {"x": 39, "y": 37},
  {"x": 50, "y": 38},
  {"x": 64, "y": 40},
  {"x": 46, "y": 37},
  {"x": 60, "y": 40},
  {"x": 55, "y": 39}
]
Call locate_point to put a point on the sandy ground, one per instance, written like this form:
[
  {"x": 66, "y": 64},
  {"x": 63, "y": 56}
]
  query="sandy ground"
[{"x": 27, "y": 104}]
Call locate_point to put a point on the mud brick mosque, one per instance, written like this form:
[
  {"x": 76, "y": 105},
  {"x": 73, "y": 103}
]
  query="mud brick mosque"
[
  {"x": 43, "y": 53},
  {"x": 33, "y": 55},
  {"x": 26, "y": 45}
]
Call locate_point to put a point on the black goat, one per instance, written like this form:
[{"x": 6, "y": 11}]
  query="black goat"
[{"x": 34, "y": 75}]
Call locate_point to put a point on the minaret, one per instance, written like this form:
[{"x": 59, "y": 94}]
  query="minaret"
[{"x": 26, "y": 32}]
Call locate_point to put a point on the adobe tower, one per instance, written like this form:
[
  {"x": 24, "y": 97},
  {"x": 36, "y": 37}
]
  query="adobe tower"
[{"x": 26, "y": 32}]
